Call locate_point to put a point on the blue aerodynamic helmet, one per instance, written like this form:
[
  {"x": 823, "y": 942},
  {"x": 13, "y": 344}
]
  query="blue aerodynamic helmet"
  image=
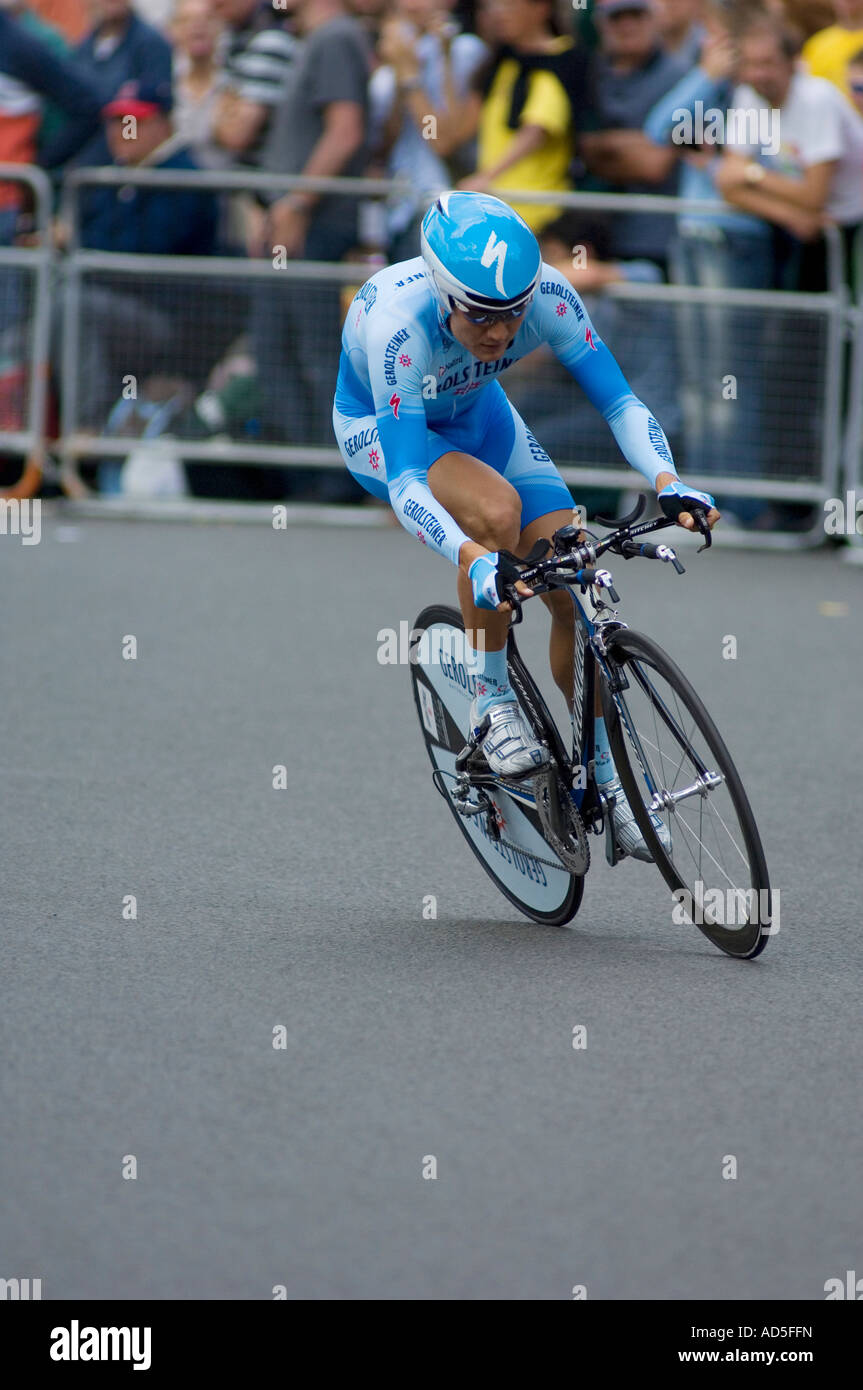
[{"x": 480, "y": 255}]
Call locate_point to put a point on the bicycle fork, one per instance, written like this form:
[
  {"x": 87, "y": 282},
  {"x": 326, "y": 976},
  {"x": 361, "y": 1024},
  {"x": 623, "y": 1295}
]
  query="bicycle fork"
[{"x": 600, "y": 818}]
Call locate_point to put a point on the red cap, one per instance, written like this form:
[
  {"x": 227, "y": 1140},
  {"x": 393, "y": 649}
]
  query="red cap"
[
  {"x": 139, "y": 99},
  {"x": 139, "y": 109}
]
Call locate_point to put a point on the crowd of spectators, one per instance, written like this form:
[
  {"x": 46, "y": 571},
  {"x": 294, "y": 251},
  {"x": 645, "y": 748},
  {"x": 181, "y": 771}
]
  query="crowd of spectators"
[{"x": 501, "y": 95}]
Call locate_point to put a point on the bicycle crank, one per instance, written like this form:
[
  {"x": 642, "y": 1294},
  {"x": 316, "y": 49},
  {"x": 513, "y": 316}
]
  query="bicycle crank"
[{"x": 561, "y": 823}]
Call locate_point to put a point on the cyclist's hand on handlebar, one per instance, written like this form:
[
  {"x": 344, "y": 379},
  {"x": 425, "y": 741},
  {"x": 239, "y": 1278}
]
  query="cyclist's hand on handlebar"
[
  {"x": 523, "y": 592},
  {"x": 686, "y": 519},
  {"x": 488, "y": 575},
  {"x": 673, "y": 499}
]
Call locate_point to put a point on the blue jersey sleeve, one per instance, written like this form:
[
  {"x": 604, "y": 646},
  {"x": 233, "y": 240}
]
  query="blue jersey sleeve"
[
  {"x": 398, "y": 368},
  {"x": 566, "y": 326}
]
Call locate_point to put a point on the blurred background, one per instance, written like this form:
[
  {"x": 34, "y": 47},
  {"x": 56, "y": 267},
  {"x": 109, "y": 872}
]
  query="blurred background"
[{"x": 172, "y": 288}]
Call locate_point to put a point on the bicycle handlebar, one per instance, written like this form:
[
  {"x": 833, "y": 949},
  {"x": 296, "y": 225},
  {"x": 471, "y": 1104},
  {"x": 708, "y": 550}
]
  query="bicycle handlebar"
[{"x": 574, "y": 562}]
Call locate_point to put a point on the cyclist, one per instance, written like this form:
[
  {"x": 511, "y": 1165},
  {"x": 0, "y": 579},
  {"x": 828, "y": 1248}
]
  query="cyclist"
[{"x": 422, "y": 421}]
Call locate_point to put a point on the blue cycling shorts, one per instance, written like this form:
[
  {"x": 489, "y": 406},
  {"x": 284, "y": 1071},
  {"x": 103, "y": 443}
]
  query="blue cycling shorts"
[{"x": 492, "y": 431}]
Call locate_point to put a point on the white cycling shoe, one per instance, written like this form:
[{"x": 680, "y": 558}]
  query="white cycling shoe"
[
  {"x": 627, "y": 835},
  {"x": 508, "y": 746}
]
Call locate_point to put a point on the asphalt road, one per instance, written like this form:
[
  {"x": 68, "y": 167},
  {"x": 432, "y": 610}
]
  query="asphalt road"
[{"x": 405, "y": 1038}]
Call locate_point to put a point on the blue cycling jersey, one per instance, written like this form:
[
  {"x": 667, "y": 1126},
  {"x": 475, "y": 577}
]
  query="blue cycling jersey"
[{"x": 400, "y": 364}]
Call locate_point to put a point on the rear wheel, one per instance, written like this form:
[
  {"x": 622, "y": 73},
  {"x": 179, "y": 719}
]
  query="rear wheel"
[
  {"x": 519, "y": 860},
  {"x": 673, "y": 762}
]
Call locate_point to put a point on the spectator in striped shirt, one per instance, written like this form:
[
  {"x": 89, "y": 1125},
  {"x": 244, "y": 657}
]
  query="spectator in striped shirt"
[
  {"x": 256, "y": 65},
  {"x": 197, "y": 36}
]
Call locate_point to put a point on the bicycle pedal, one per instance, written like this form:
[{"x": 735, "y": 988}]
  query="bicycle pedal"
[{"x": 471, "y": 758}]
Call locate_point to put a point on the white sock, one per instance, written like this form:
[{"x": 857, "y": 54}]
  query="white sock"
[{"x": 492, "y": 680}]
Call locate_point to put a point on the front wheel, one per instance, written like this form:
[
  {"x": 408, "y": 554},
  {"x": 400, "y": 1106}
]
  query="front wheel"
[{"x": 687, "y": 797}]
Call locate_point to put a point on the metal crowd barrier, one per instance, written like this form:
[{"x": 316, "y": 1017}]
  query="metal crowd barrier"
[
  {"x": 25, "y": 287},
  {"x": 193, "y": 326}
]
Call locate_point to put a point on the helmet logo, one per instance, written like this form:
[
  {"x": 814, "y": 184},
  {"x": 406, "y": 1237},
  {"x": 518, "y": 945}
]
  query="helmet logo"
[{"x": 495, "y": 251}]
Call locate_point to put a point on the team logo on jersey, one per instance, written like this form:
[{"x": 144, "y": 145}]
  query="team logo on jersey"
[
  {"x": 404, "y": 360},
  {"x": 368, "y": 294},
  {"x": 588, "y": 338},
  {"x": 361, "y": 440},
  {"x": 395, "y": 402},
  {"x": 495, "y": 251},
  {"x": 392, "y": 352},
  {"x": 658, "y": 440},
  {"x": 374, "y": 459},
  {"x": 561, "y": 309}
]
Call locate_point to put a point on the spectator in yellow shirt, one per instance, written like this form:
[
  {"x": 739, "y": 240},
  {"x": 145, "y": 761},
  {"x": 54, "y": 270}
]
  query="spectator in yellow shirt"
[
  {"x": 828, "y": 52},
  {"x": 525, "y": 108}
]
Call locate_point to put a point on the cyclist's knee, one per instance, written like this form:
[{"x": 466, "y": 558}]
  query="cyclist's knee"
[
  {"x": 500, "y": 521},
  {"x": 559, "y": 604}
]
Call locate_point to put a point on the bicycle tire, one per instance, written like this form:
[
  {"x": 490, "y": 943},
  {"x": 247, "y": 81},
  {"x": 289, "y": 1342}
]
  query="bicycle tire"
[{"x": 749, "y": 939}]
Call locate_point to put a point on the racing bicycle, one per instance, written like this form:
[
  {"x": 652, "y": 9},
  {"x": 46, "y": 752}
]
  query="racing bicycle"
[{"x": 533, "y": 834}]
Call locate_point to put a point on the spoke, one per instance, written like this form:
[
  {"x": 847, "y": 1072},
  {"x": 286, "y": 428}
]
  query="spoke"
[
  {"x": 634, "y": 736},
  {"x": 653, "y": 695},
  {"x": 721, "y": 870},
  {"x": 717, "y": 814},
  {"x": 670, "y": 720},
  {"x": 687, "y": 737},
  {"x": 661, "y": 753},
  {"x": 657, "y": 705},
  {"x": 744, "y": 857},
  {"x": 696, "y": 862}
]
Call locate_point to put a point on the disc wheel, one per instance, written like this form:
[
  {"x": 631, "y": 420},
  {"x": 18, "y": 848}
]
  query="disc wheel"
[{"x": 519, "y": 860}]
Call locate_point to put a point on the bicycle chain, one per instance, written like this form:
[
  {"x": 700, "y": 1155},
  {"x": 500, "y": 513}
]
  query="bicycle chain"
[
  {"x": 576, "y": 824},
  {"x": 519, "y": 849},
  {"x": 578, "y": 829},
  {"x": 529, "y": 854}
]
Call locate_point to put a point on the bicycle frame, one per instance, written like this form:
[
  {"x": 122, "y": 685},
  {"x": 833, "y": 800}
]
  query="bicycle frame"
[
  {"x": 573, "y": 568},
  {"x": 591, "y": 642},
  {"x": 590, "y": 649}
]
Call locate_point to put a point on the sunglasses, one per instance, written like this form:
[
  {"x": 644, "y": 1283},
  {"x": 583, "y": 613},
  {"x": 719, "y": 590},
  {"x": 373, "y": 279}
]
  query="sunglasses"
[{"x": 497, "y": 316}]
